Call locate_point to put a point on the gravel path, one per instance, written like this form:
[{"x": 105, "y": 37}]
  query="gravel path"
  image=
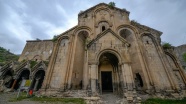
[{"x": 110, "y": 98}]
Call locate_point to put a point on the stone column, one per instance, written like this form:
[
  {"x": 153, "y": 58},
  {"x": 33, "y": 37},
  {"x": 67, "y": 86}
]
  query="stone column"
[
  {"x": 36, "y": 84},
  {"x": 85, "y": 71},
  {"x": 128, "y": 79},
  {"x": 93, "y": 77},
  {"x": 14, "y": 83}
]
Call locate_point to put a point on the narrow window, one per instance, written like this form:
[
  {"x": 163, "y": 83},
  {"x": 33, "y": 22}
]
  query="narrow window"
[
  {"x": 147, "y": 42},
  {"x": 103, "y": 28}
]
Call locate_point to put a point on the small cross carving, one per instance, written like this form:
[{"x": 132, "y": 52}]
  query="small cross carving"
[{"x": 102, "y": 13}]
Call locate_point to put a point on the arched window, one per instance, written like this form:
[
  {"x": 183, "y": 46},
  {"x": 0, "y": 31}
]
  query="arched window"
[
  {"x": 64, "y": 42},
  {"x": 125, "y": 33},
  {"x": 103, "y": 28}
]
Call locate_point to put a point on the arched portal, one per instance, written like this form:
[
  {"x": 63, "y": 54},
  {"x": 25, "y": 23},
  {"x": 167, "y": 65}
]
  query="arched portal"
[
  {"x": 23, "y": 75},
  {"x": 8, "y": 78},
  {"x": 108, "y": 73},
  {"x": 38, "y": 80}
]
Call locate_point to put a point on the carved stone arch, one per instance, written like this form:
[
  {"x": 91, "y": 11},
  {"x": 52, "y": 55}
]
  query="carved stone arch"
[
  {"x": 98, "y": 22},
  {"x": 82, "y": 28},
  {"x": 38, "y": 69},
  {"x": 37, "y": 79},
  {"x": 5, "y": 72},
  {"x": 63, "y": 37},
  {"x": 150, "y": 36},
  {"x": 173, "y": 58},
  {"x": 7, "y": 77},
  {"x": 20, "y": 71},
  {"x": 129, "y": 27},
  {"x": 112, "y": 51},
  {"x": 37, "y": 58},
  {"x": 83, "y": 33}
]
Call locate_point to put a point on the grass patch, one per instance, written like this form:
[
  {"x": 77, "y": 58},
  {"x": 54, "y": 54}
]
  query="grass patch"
[
  {"x": 63, "y": 100},
  {"x": 164, "y": 101},
  {"x": 49, "y": 99}
]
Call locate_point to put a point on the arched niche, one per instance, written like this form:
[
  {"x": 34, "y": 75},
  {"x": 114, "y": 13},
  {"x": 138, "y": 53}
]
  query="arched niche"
[
  {"x": 38, "y": 78},
  {"x": 103, "y": 25},
  {"x": 79, "y": 59},
  {"x": 83, "y": 35},
  {"x": 64, "y": 42},
  {"x": 8, "y": 78},
  {"x": 114, "y": 52},
  {"x": 174, "y": 66},
  {"x": 22, "y": 74},
  {"x": 148, "y": 38},
  {"x": 37, "y": 58},
  {"x": 171, "y": 60},
  {"x": 126, "y": 34}
]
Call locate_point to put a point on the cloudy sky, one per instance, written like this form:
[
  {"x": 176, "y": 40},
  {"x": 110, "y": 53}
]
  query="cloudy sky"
[{"x": 22, "y": 20}]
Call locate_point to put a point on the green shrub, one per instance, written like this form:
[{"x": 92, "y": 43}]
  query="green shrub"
[
  {"x": 33, "y": 63},
  {"x": 167, "y": 46},
  {"x": 55, "y": 38},
  {"x": 112, "y": 4}
]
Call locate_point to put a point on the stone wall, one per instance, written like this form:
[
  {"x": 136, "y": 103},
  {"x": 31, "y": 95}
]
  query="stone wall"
[
  {"x": 179, "y": 51},
  {"x": 37, "y": 50}
]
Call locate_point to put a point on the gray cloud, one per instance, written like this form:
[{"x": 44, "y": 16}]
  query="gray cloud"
[{"x": 23, "y": 20}]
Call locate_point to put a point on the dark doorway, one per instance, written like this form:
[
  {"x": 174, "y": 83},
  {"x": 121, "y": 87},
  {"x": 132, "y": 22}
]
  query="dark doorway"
[
  {"x": 139, "y": 80},
  {"x": 106, "y": 79}
]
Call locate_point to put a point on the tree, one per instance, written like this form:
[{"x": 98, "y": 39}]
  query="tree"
[{"x": 112, "y": 4}]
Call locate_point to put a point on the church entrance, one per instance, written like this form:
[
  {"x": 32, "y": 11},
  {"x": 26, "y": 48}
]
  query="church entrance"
[
  {"x": 108, "y": 73},
  {"x": 106, "y": 79}
]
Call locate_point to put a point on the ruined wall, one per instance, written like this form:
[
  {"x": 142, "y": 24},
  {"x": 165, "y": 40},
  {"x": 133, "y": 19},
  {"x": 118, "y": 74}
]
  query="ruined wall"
[
  {"x": 60, "y": 65},
  {"x": 37, "y": 50},
  {"x": 175, "y": 71},
  {"x": 179, "y": 51},
  {"x": 155, "y": 64}
]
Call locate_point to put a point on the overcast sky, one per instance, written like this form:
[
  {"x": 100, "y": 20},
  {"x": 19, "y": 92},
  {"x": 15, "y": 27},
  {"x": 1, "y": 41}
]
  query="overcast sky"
[{"x": 22, "y": 20}]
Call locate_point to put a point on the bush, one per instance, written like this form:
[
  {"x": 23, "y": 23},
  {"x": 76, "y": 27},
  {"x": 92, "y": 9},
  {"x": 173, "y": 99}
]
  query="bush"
[
  {"x": 112, "y": 4},
  {"x": 167, "y": 46},
  {"x": 55, "y": 38}
]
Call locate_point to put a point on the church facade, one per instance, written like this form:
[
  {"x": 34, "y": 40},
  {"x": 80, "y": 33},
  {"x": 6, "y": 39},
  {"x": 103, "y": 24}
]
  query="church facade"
[{"x": 105, "y": 52}]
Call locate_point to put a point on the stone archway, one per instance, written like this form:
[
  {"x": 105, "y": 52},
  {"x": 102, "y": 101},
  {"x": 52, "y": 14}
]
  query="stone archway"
[
  {"x": 8, "y": 78},
  {"x": 38, "y": 80},
  {"x": 108, "y": 76},
  {"x": 24, "y": 74}
]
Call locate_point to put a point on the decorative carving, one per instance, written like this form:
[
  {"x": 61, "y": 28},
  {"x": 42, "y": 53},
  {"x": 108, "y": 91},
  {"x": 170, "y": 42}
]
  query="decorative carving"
[{"x": 102, "y": 13}]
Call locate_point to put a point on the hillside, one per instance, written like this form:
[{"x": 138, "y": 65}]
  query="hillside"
[{"x": 6, "y": 56}]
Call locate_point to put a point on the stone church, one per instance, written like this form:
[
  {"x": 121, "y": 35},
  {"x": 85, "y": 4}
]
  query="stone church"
[{"x": 104, "y": 52}]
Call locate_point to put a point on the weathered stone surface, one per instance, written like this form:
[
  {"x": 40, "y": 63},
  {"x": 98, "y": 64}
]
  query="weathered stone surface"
[{"x": 105, "y": 52}]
